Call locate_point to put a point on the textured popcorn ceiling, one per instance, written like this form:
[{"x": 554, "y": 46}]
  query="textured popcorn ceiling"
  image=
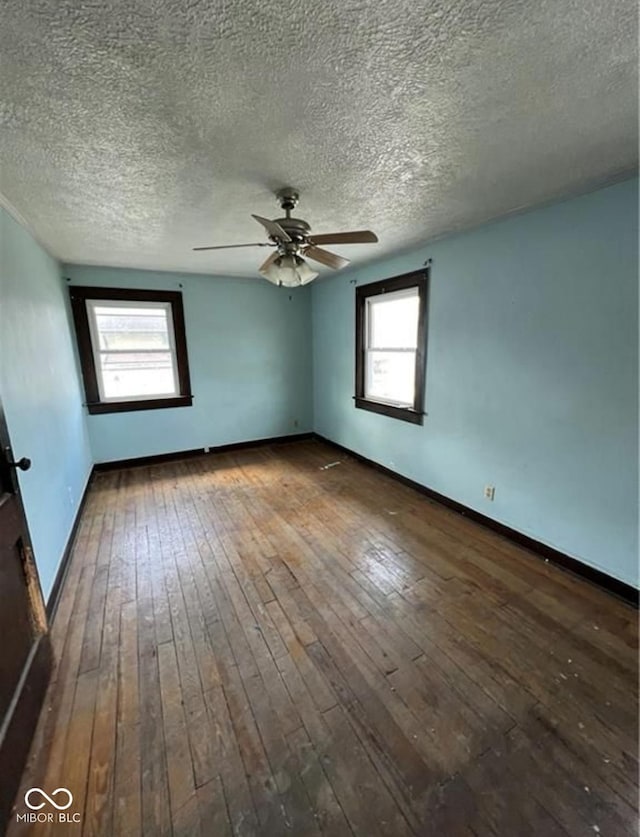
[{"x": 132, "y": 131}]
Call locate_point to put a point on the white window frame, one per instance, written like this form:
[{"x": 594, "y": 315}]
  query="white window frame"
[
  {"x": 91, "y": 305},
  {"x": 370, "y": 350}
]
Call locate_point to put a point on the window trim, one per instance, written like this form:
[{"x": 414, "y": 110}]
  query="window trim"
[
  {"x": 417, "y": 279},
  {"x": 79, "y": 296}
]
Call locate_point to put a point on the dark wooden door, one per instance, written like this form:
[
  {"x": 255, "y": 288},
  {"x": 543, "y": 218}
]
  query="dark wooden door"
[{"x": 25, "y": 651}]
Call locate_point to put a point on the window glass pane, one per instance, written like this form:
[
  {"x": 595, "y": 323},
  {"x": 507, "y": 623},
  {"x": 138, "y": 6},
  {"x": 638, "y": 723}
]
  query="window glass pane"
[
  {"x": 128, "y": 374},
  {"x": 122, "y": 327},
  {"x": 393, "y": 322},
  {"x": 391, "y": 376}
]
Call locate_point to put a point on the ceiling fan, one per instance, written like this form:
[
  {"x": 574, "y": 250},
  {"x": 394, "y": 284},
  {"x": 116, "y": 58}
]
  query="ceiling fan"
[{"x": 293, "y": 239}]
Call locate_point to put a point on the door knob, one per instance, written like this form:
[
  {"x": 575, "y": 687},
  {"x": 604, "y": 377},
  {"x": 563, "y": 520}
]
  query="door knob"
[{"x": 24, "y": 464}]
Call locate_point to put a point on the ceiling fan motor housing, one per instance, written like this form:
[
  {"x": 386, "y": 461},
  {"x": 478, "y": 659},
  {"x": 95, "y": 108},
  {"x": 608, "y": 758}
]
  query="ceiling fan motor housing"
[{"x": 297, "y": 229}]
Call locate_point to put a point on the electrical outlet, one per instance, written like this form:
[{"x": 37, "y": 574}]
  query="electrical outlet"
[
  {"x": 207, "y": 449},
  {"x": 490, "y": 492}
]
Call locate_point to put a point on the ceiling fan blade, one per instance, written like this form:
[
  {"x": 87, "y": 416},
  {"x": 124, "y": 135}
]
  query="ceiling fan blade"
[
  {"x": 325, "y": 257},
  {"x": 268, "y": 262},
  {"x": 231, "y": 246},
  {"x": 356, "y": 237},
  {"x": 272, "y": 228}
]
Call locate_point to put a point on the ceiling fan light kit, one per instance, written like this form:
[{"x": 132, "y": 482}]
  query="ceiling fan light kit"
[
  {"x": 293, "y": 239},
  {"x": 288, "y": 271}
]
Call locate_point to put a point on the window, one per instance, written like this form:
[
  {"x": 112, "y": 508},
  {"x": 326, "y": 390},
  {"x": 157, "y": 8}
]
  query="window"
[
  {"x": 132, "y": 347},
  {"x": 390, "y": 346}
]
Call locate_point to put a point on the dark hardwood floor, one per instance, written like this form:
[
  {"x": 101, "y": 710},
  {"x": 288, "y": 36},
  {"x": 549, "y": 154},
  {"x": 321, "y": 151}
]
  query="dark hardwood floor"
[{"x": 254, "y": 644}]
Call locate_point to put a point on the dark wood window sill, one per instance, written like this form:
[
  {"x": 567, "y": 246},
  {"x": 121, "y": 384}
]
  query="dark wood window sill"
[
  {"x": 143, "y": 404},
  {"x": 402, "y": 413}
]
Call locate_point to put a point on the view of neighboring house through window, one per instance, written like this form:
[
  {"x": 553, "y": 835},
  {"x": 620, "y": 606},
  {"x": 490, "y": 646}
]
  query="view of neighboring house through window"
[
  {"x": 132, "y": 347},
  {"x": 135, "y": 349}
]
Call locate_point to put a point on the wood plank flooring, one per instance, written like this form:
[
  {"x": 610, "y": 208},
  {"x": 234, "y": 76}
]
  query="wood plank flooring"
[{"x": 254, "y": 644}]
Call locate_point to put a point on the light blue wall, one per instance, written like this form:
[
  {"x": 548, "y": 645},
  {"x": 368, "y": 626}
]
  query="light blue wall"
[
  {"x": 40, "y": 393},
  {"x": 532, "y": 375},
  {"x": 249, "y": 350}
]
